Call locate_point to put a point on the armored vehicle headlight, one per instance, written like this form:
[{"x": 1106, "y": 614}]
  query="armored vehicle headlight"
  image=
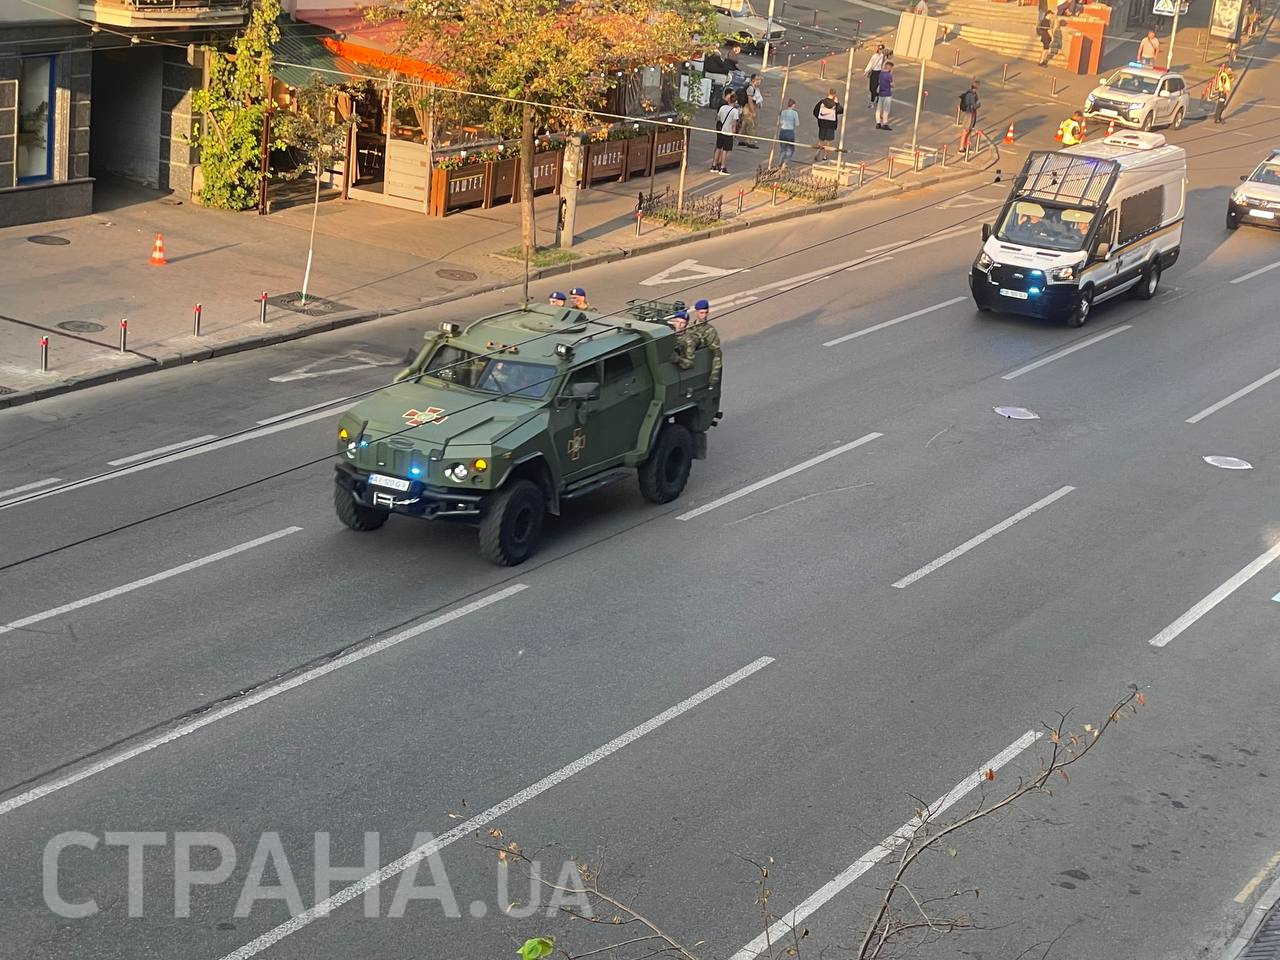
[
  {"x": 480, "y": 465},
  {"x": 457, "y": 472},
  {"x": 564, "y": 351},
  {"x": 450, "y": 329}
]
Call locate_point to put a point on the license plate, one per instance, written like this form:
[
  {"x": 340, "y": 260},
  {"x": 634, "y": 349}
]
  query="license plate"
[
  {"x": 391, "y": 483},
  {"x": 1262, "y": 214},
  {"x": 1016, "y": 294}
]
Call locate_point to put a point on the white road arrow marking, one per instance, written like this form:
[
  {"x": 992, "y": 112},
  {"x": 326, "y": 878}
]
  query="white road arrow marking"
[
  {"x": 351, "y": 363},
  {"x": 688, "y": 271}
]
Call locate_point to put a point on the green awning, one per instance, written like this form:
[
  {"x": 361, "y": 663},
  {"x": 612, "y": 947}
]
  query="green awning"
[{"x": 299, "y": 53}]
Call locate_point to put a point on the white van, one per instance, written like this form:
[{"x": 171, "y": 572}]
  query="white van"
[{"x": 1083, "y": 225}]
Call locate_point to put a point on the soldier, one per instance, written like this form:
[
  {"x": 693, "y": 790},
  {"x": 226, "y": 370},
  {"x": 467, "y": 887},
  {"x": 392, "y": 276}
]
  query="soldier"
[
  {"x": 557, "y": 299},
  {"x": 685, "y": 339},
  {"x": 705, "y": 335},
  {"x": 579, "y": 297}
]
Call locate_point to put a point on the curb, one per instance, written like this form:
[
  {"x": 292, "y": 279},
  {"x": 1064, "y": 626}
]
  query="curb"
[
  {"x": 1253, "y": 922},
  {"x": 353, "y": 317}
]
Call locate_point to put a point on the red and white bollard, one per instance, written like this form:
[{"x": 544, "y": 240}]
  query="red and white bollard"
[
  {"x": 44, "y": 354},
  {"x": 195, "y": 320},
  {"x": 262, "y": 308},
  {"x": 639, "y": 221},
  {"x": 124, "y": 336}
]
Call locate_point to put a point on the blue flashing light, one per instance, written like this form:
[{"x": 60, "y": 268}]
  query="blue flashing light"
[
  {"x": 415, "y": 471},
  {"x": 363, "y": 444},
  {"x": 1034, "y": 291}
]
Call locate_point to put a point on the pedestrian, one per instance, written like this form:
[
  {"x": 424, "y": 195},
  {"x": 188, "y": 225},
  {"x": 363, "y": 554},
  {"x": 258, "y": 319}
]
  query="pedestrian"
[
  {"x": 579, "y": 297},
  {"x": 557, "y": 299},
  {"x": 1071, "y": 130},
  {"x": 1055, "y": 45},
  {"x": 884, "y": 103},
  {"x": 969, "y": 105},
  {"x": 1044, "y": 30},
  {"x": 1223, "y": 83},
  {"x": 872, "y": 71},
  {"x": 1149, "y": 49},
  {"x": 726, "y": 126},
  {"x": 788, "y": 121},
  {"x": 827, "y": 112},
  {"x": 752, "y": 101}
]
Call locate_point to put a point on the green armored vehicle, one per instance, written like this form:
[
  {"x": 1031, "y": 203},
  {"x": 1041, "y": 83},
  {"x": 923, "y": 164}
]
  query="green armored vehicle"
[{"x": 502, "y": 420}]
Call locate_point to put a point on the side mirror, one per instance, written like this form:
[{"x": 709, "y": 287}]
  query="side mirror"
[
  {"x": 584, "y": 391},
  {"x": 1104, "y": 251},
  {"x": 1244, "y": 177},
  {"x": 986, "y": 232}
]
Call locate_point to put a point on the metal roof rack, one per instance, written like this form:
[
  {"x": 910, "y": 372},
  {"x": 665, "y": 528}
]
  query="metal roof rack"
[{"x": 1068, "y": 179}]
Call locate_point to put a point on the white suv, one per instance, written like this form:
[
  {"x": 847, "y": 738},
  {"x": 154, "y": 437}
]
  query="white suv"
[{"x": 1139, "y": 97}]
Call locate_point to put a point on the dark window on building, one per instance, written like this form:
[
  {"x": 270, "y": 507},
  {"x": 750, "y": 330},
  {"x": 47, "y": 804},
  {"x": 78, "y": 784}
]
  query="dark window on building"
[
  {"x": 35, "y": 119},
  {"x": 1141, "y": 214}
]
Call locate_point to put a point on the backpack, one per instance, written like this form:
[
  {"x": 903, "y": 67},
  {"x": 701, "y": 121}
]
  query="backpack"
[{"x": 968, "y": 101}]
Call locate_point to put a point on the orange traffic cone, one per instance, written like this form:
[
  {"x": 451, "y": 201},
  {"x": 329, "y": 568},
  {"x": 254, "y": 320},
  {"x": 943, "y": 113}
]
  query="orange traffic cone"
[
  {"x": 1008, "y": 137},
  {"x": 1111, "y": 128},
  {"x": 157, "y": 252}
]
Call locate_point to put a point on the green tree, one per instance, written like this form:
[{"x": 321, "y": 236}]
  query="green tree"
[
  {"x": 547, "y": 61},
  {"x": 235, "y": 106}
]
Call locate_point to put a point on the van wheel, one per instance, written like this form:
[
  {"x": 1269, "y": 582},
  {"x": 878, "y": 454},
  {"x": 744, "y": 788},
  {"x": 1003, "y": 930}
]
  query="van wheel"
[
  {"x": 664, "y": 475},
  {"x": 512, "y": 524},
  {"x": 1177, "y": 120},
  {"x": 356, "y": 515},
  {"x": 1079, "y": 314},
  {"x": 1150, "y": 282},
  {"x": 1148, "y": 120}
]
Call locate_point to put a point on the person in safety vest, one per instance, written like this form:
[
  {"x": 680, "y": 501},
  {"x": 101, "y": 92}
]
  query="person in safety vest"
[
  {"x": 1071, "y": 130},
  {"x": 1223, "y": 82}
]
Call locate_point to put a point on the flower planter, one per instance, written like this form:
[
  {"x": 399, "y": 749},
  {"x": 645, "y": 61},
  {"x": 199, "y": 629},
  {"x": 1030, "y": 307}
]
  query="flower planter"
[
  {"x": 639, "y": 156},
  {"x": 503, "y": 182},
  {"x": 604, "y": 159},
  {"x": 546, "y": 171},
  {"x": 457, "y": 187},
  {"x": 668, "y": 148}
]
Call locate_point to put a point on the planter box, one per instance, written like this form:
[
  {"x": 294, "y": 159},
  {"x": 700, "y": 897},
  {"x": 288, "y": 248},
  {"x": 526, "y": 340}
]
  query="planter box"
[
  {"x": 546, "y": 171},
  {"x": 503, "y": 182},
  {"x": 457, "y": 188},
  {"x": 639, "y": 156},
  {"x": 668, "y": 149},
  {"x": 604, "y": 159}
]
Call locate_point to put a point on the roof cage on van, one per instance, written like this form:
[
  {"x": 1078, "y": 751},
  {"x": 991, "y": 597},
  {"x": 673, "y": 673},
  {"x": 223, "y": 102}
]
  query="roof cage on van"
[{"x": 1068, "y": 179}]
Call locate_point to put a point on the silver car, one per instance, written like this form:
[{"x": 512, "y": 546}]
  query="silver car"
[
  {"x": 1140, "y": 98},
  {"x": 1257, "y": 200}
]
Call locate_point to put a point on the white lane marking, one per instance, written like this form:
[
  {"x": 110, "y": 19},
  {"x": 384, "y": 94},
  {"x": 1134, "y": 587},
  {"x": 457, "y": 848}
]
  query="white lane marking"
[
  {"x": 357, "y": 360},
  {"x": 789, "y": 472},
  {"x": 182, "y": 445},
  {"x": 981, "y": 538},
  {"x": 902, "y": 246},
  {"x": 33, "y": 485},
  {"x": 1243, "y": 391},
  {"x": 327, "y": 405},
  {"x": 1216, "y": 597},
  {"x": 790, "y": 283},
  {"x": 1257, "y": 273},
  {"x": 1247, "y": 891},
  {"x": 687, "y": 271},
  {"x": 480, "y": 820},
  {"x": 167, "y": 459},
  {"x": 1066, "y": 351},
  {"x": 146, "y": 581},
  {"x": 781, "y": 928},
  {"x": 890, "y": 323},
  {"x": 252, "y": 700}
]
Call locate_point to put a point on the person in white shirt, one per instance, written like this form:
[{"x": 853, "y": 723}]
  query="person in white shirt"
[
  {"x": 726, "y": 126},
  {"x": 872, "y": 71},
  {"x": 1149, "y": 49}
]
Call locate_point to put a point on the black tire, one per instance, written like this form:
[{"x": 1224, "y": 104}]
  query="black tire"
[
  {"x": 512, "y": 523},
  {"x": 1149, "y": 285},
  {"x": 1148, "y": 120},
  {"x": 1178, "y": 118},
  {"x": 356, "y": 515},
  {"x": 1079, "y": 315},
  {"x": 1233, "y": 221},
  {"x": 664, "y": 475}
]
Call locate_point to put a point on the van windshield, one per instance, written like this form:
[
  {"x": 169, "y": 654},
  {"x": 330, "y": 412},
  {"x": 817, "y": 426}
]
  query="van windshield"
[
  {"x": 493, "y": 375},
  {"x": 1051, "y": 228}
]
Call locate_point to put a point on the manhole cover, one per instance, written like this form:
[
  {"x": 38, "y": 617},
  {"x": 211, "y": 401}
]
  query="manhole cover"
[
  {"x": 81, "y": 326},
  {"x": 312, "y": 307},
  {"x": 1016, "y": 413},
  {"x": 48, "y": 241},
  {"x": 1229, "y": 463},
  {"x": 455, "y": 275}
]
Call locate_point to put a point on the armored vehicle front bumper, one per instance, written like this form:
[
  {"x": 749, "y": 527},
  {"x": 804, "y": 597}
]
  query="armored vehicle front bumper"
[{"x": 420, "y": 499}]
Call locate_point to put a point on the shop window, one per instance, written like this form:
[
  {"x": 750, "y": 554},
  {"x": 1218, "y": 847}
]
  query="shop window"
[{"x": 35, "y": 119}]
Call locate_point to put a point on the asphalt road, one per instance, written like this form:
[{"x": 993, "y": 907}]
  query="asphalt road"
[{"x": 776, "y": 675}]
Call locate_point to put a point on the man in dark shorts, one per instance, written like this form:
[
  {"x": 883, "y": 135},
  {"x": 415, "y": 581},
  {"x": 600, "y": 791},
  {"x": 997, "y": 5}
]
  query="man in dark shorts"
[
  {"x": 726, "y": 126},
  {"x": 827, "y": 112}
]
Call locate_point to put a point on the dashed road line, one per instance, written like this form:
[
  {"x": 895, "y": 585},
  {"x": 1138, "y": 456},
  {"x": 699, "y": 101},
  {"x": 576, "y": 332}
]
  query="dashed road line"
[
  {"x": 889, "y": 323},
  {"x": 181, "y": 445},
  {"x": 1216, "y": 597},
  {"x": 1243, "y": 391},
  {"x": 27, "y": 487},
  {"x": 1257, "y": 273},
  {"x": 1066, "y": 351}
]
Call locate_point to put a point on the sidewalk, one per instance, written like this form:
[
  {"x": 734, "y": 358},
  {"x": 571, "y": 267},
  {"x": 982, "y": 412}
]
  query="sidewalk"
[{"x": 371, "y": 260}]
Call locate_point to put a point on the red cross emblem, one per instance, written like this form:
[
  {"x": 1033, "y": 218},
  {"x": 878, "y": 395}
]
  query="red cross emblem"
[
  {"x": 416, "y": 418},
  {"x": 577, "y": 443}
]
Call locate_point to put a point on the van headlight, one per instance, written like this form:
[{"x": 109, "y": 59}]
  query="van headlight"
[
  {"x": 984, "y": 261},
  {"x": 1063, "y": 273}
]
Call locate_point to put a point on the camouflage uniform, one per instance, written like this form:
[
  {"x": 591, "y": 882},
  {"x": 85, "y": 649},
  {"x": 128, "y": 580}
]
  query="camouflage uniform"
[
  {"x": 686, "y": 344},
  {"x": 705, "y": 335}
]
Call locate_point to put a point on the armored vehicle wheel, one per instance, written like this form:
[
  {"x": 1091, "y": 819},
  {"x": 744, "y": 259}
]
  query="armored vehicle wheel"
[
  {"x": 664, "y": 475},
  {"x": 356, "y": 515},
  {"x": 512, "y": 524}
]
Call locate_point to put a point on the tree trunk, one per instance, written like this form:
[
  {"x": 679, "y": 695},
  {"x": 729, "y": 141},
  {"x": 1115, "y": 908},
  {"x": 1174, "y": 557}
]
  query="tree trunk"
[{"x": 528, "y": 225}]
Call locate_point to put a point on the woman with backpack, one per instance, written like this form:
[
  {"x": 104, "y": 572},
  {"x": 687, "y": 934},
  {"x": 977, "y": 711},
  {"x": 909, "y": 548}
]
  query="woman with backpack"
[{"x": 827, "y": 112}]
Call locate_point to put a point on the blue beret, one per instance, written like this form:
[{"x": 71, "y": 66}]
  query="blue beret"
[{"x": 702, "y": 305}]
